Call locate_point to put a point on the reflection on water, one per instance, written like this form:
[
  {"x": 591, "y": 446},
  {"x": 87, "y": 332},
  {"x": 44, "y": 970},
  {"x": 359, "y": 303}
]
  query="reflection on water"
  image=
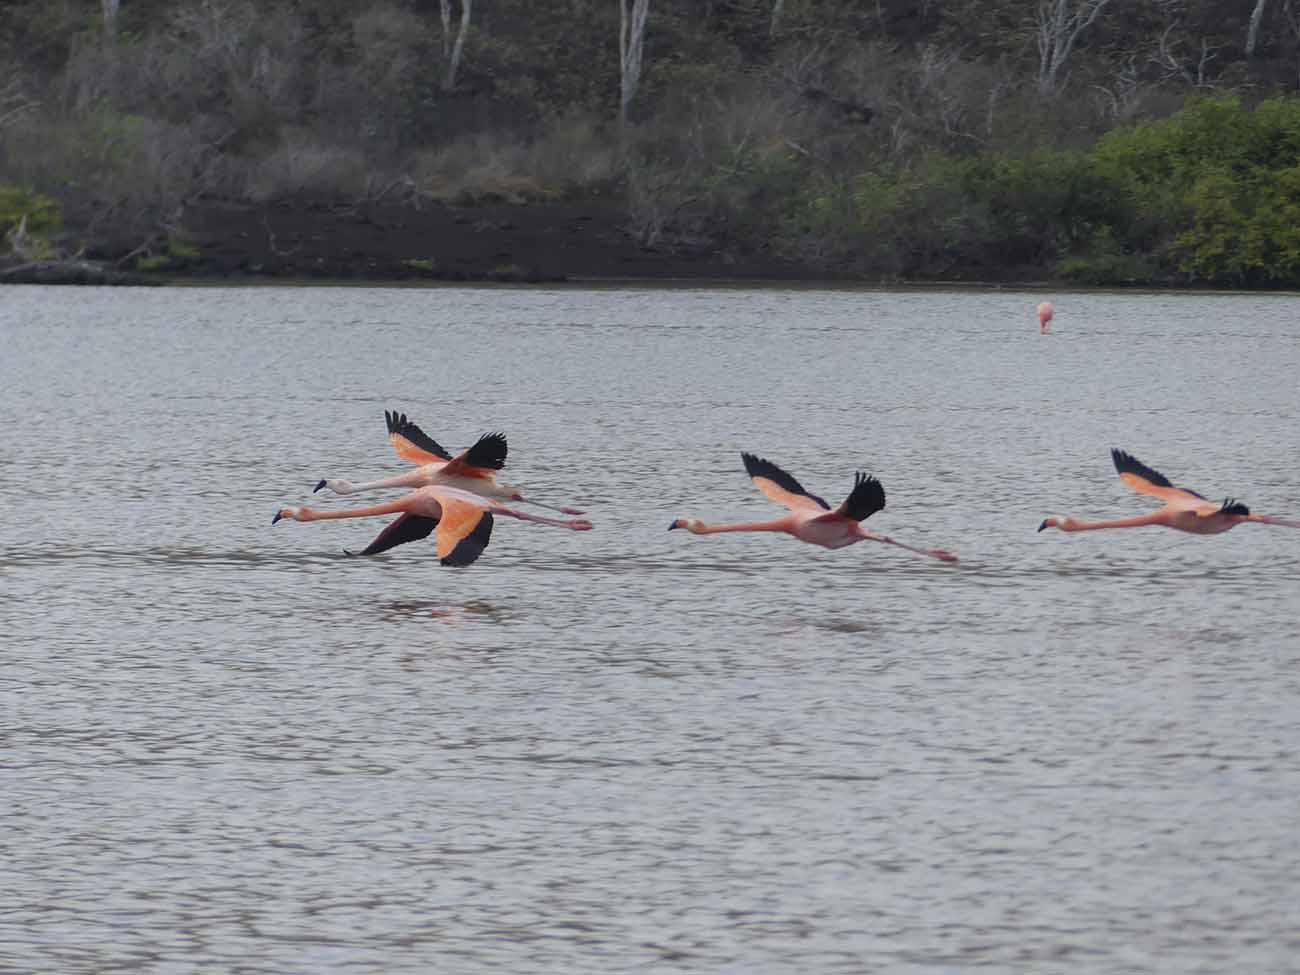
[
  {"x": 471, "y": 612},
  {"x": 231, "y": 747}
]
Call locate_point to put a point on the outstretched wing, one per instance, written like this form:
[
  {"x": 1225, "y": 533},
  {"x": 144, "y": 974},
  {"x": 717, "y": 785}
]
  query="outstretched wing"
[
  {"x": 487, "y": 455},
  {"x": 408, "y": 528},
  {"x": 412, "y": 443},
  {"x": 779, "y": 486},
  {"x": 866, "y": 498},
  {"x": 1145, "y": 480},
  {"x": 463, "y": 532}
]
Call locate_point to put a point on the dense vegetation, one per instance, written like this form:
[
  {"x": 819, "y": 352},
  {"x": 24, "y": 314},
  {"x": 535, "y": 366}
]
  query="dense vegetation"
[{"x": 914, "y": 138}]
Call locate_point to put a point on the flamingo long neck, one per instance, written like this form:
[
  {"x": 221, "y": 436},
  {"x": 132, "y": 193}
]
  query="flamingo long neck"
[
  {"x": 1154, "y": 518},
  {"x": 780, "y": 525},
  {"x": 387, "y": 508},
  {"x": 415, "y": 478}
]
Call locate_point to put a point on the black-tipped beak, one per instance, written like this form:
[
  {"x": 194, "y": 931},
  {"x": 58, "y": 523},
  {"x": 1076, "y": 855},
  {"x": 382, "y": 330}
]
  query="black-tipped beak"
[
  {"x": 672, "y": 526},
  {"x": 318, "y": 486},
  {"x": 277, "y": 517},
  {"x": 1043, "y": 525}
]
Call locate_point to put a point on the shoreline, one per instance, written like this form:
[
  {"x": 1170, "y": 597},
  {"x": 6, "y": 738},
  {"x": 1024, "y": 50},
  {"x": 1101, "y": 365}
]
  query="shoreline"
[
  {"x": 590, "y": 242},
  {"x": 586, "y": 244}
]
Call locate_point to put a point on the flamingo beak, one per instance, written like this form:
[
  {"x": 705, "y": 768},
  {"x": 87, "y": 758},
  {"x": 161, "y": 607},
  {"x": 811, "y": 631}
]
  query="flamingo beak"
[
  {"x": 318, "y": 486},
  {"x": 277, "y": 517},
  {"x": 673, "y": 525},
  {"x": 1043, "y": 525}
]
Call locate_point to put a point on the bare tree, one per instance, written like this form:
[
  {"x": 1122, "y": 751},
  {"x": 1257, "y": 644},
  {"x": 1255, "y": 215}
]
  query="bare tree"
[
  {"x": 453, "y": 50},
  {"x": 1170, "y": 62},
  {"x": 110, "y": 8},
  {"x": 1252, "y": 33},
  {"x": 631, "y": 39},
  {"x": 1058, "y": 25},
  {"x": 13, "y": 103}
]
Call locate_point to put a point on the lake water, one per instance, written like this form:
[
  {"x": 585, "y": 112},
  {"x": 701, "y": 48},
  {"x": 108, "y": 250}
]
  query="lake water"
[{"x": 226, "y": 747}]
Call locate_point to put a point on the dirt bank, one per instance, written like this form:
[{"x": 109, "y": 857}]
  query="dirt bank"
[{"x": 539, "y": 242}]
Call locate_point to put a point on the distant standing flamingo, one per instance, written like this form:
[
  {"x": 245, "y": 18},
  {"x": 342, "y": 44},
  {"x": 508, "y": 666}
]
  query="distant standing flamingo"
[
  {"x": 472, "y": 470},
  {"x": 463, "y": 521},
  {"x": 1184, "y": 510},
  {"x": 811, "y": 519},
  {"x": 1045, "y": 314}
]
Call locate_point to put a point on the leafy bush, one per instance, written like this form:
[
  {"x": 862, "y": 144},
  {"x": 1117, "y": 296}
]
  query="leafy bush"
[{"x": 16, "y": 202}]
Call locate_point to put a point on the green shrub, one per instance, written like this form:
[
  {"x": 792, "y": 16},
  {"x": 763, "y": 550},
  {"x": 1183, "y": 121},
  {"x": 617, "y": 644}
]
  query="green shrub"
[
  {"x": 1104, "y": 262},
  {"x": 41, "y": 211},
  {"x": 176, "y": 255}
]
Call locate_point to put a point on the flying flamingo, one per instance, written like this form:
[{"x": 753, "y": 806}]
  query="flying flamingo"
[
  {"x": 811, "y": 519},
  {"x": 1184, "y": 510},
  {"x": 462, "y": 519},
  {"x": 1045, "y": 314},
  {"x": 473, "y": 470}
]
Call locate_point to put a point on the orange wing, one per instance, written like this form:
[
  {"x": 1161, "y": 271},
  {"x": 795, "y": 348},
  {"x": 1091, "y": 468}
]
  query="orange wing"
[
  {"x": 780, "y": 487},
  {"x": 412, "y": 443},
  {"x": 463, "y": 531},
  {"x": 483, "y": 460},
  {"x": 1145, "y": 480}
]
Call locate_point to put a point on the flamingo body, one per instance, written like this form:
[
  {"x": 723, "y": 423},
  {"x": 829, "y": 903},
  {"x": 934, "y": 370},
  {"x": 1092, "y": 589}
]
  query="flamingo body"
[
  {"x": 1045, "y": 314},
  {"x": 811, "y": 518},
  {"x": 462, "y": 521},
  {"x": 473, "y": 470},
  {"x": 1184, "y": 510}
]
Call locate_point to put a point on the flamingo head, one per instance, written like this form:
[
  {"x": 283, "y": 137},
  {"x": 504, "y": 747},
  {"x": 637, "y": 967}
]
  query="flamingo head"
[
  {"x": 290, "y": 513},
  {"x": 690, "y": 524},
  {"x": 1064, "y": 524}
]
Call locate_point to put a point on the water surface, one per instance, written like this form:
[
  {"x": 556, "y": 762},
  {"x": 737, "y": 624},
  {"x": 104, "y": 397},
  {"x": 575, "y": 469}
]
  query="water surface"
[{"x": 228, "y": 747}]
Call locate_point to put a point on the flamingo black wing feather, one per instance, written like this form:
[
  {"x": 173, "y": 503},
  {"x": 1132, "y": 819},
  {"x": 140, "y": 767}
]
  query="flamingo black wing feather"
[
  {"x": 488, "y": 451},
  {"x": 400, "y": 425},
  {"x": 1126, "y": 463},
  {"x": 472, "y": 545},
  {"x": 408, "y": 528},
  {"x": 866, "y": 498},
  {"x": 758, "y": 467}
]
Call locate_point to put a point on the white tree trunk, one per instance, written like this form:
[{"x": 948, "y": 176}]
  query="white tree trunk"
[
  {"x": 631, "y": 38},
  {"x": 110, "y": 8},
  {"x": 1252, "y": 34},
  {"x": 778, "y": 7},
  {"x": 1059, "y": 24},
  {"x": 457, "y": 49},
  {"x": 446, "y": 28}
]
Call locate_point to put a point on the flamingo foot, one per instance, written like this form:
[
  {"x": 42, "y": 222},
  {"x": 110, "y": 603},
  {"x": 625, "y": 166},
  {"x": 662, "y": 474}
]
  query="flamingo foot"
[
  {"x": 943, "y": 556},
  {"x": 572, "y": 511},
  {"x": 581, "y": 525}
]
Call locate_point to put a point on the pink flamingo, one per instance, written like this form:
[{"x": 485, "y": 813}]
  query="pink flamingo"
[
  {"x": 811, "y": 519},
  {"x": 1184, "y": 510},
  {"x": 1045, "y": 314},
  {"x": 472, "y": 470},
  {"x": 463, "y": 521}
]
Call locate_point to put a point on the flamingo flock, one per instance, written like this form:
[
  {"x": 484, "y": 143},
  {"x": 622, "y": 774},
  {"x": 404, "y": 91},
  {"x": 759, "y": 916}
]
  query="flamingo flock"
[{"x": 457, "y": 498}]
